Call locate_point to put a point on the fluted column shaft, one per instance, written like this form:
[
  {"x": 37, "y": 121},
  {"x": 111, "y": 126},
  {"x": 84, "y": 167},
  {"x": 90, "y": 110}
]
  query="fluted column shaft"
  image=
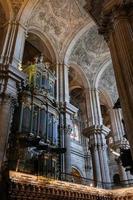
[
  {"x": 105, "y": 157},
  {"x": 119, "y": 125},
  {"x": 95, "y": 164},
  {"x": 117, "y": 27},
  {"x": 95, "y": 107},
  {"x": 98, "y": 148},
  {"x": 97, "y": 141}
]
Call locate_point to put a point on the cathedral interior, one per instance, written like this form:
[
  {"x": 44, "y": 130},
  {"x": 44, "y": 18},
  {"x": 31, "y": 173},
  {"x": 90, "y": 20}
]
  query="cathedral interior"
[{"x": 66, "y": 99}]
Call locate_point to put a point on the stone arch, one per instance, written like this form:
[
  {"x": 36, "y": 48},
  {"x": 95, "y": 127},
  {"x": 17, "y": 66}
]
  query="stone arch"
[
  {"x": 103, "y": 67},
  {"x": 26, "y": 10},
  {"x": 107, "y": 97},
  {"x": 78, "y": 170},
  {"x": 75, "y": 87},
  {"x": 38, "y": 32},
  {"x": 78, "y": 68},
  {"x": 109, "y": 105},
  {"x": 86, "y": 86},
  {"x": 75, "y": 39}
]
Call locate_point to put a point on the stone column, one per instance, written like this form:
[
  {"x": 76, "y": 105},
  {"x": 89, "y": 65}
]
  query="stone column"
[
  {"x": 116, "y": 26},
  {"x": 95, "y": 159},
  {"x": 95, "y": 107},
  {"x": 119, "y": 126},
  {"x": 63, "y": 93},
  {"x": 6, "y": 112},
  {"x": 10, "y": 80},
  {"x": 97, "y": 141},
  {"x": 105, "y": 132},
  {"x": 98, "y": 148},
  {"x": 68, "y": 165}
]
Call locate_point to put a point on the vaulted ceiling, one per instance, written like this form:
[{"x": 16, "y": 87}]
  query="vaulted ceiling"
[{"x": 65, "y": 22}]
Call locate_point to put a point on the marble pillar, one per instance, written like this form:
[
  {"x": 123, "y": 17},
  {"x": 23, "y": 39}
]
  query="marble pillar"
[
  {"x": 95, "y": 107},
  {"x": 98, "y": 147},
  {"x": 97, "y": 133},
  {"x": 95, "y": 159},
  {"x": 119, "y": 125},
  {"x": 116, "y": 26}
]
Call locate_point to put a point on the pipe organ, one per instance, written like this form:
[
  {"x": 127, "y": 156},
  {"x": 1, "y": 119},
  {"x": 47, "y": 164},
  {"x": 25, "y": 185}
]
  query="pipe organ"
[{"x": 35, "y": 144}]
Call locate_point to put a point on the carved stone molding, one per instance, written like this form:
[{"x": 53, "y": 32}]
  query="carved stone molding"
[
  {"x": 111, "y": 12},
  {"x": 104, "y": 13},
  {"x": 101, "y": 129}
]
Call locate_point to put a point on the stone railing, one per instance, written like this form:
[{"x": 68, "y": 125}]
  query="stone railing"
[{"x": 22, "y": 186}]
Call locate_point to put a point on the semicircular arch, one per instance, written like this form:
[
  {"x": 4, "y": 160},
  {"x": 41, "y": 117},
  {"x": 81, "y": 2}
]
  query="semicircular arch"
[
  {"x": 109, "y": 104},
  {"x": 77, "y": 170},
  {"x": 26, "y": 10},
  {"x": 37, "y": 31},
  {"x": 74, "y": 41},
  {"x": 101, "y": 70},
  {"x": 84, "y": 78}
]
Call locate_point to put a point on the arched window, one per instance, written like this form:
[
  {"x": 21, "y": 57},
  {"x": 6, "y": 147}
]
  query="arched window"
[{"x": 76, "y": 176}]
